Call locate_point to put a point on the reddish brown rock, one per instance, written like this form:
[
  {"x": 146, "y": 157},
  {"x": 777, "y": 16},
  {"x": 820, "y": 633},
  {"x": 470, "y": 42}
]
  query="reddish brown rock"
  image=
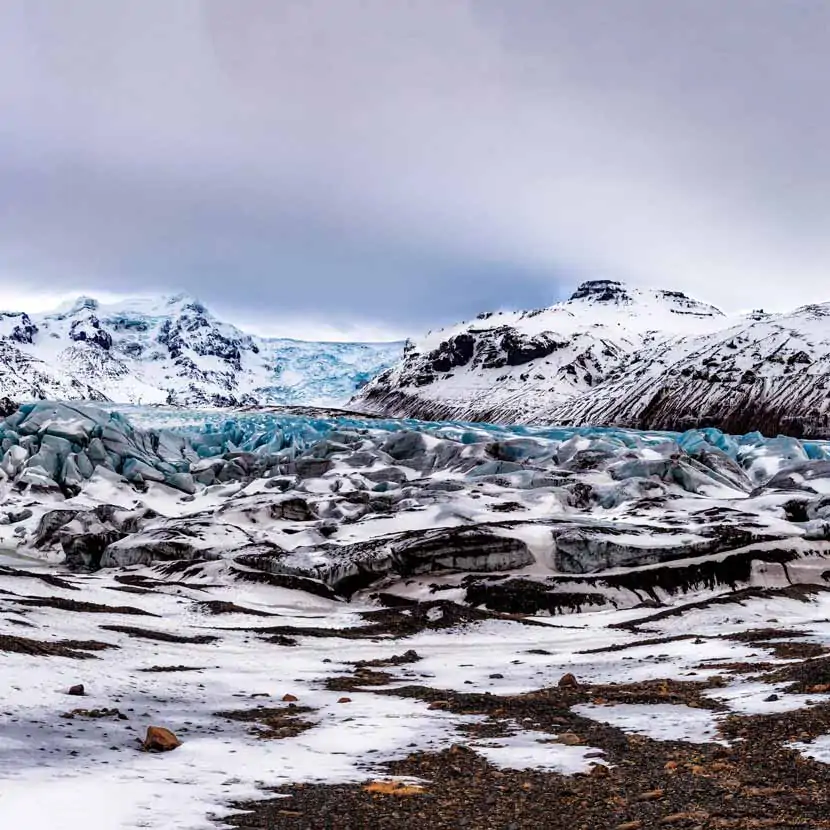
[
  {"x": 78, "y": 690},
  {"x": 568, "y": 681},
  {"x": 159, "y": 739},
  {"x": 289, "y": 699}
]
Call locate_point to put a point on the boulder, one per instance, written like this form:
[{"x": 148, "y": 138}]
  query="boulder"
[{"x": 159, "y": 739}]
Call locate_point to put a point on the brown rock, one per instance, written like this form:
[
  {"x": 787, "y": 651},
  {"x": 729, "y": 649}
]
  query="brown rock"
[
  {"x": 651, "y": 795},
  {"x": 78, "y": 690},
  {"x": 599, "y": 771},
  {"x": 761, "y": 792},
  {"x": 345, "y": 700},
  {"x": 568, "y": 681},
  {"x": 630, "y": 825},
  {"x": 159, "y": 739},
  {"x": 397, "y": 788},
  {"x": 439, "y": 704},
  {"x": 289, "y": 699},
  {"x": 569, "y": 739}
]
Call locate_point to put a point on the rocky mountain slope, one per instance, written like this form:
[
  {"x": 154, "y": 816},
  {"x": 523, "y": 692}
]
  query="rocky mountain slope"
[
  {"x": 174, "y": 351},
  {"x": 618, "y": 356}
]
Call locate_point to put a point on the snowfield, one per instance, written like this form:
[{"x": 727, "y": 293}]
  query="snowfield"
[{"x": 53, "y": 768}]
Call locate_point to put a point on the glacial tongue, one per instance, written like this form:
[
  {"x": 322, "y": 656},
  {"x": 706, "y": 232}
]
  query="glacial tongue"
[{"x": 339, "y": 505}]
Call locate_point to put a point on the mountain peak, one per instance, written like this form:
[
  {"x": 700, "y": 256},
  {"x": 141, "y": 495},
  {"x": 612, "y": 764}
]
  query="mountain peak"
[
  {"x": 83, "y": 303},
  {"x": 601, "y": 291},
  {"x": 602, "y": 298},
  {"x": 171, "y": 349},
  {"x": 184, "y": 300}
]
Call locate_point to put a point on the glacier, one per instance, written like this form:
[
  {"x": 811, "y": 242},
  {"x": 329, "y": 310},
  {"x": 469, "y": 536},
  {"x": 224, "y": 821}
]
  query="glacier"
[
  {"x": 194, "y": 567},
  {"x": 340, "y": 502}
]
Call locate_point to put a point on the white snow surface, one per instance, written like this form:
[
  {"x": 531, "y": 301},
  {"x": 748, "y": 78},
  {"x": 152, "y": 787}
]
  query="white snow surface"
[
  {"x": 659, "y": 721},
  {"x": 87, "y": 774}
]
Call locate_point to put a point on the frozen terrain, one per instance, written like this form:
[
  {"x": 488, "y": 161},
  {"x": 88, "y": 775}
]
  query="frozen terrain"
[
  {"x": 662, "y": 705},
  {"x": 172, "y": 350},
  {"x": 316, "y": 603},
  {"x": 341, "y": 504},
  {"x": 618, "y": 356}
]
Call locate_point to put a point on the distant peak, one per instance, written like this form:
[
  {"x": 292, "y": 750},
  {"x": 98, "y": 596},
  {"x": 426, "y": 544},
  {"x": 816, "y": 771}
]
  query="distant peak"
[
  {"x": 84, "y": 303},
  {"x": 185, "y": 301},
  {"x": 652, "y": 300},
  {"x": 602, "y": 291},
  {"x": 182, "y": 298}
]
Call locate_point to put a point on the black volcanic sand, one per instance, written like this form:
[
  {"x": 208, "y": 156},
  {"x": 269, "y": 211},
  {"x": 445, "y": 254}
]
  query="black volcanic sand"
[{"x": 756, "y": 782}]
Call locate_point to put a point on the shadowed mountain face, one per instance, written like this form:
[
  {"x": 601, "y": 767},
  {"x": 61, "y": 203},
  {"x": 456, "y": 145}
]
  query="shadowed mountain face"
[
  {"x": 173, "y": 351},
  {"x": 616, "y": 356}
]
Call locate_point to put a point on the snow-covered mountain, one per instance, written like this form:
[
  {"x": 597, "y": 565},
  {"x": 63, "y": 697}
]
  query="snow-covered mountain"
[
  {"x": 620, "y": 356},
  {"x": 173, "y": 350}
]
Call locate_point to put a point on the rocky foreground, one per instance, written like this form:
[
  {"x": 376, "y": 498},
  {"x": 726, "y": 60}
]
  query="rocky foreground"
[{"x": 168, "y": 700}]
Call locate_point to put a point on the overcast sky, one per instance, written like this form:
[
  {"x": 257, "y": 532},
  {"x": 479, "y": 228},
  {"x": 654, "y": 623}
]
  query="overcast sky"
[{"x": 371, "y": 168}]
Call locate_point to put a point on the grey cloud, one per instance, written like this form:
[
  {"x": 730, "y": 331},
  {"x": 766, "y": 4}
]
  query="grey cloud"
[{"x": 394, "y": 164}]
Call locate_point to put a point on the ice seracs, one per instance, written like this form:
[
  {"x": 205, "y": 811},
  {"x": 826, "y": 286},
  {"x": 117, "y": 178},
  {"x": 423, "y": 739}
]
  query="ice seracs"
[
  {"x": 173, "y": 350},
  {"x": 528, "y": 520}
]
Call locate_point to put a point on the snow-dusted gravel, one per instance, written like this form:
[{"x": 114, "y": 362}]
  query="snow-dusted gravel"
[{"x": 88, "y": 772}]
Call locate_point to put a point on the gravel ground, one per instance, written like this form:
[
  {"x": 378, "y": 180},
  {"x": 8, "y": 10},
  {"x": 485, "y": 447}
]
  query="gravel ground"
[{"x": 756, "y": 782}]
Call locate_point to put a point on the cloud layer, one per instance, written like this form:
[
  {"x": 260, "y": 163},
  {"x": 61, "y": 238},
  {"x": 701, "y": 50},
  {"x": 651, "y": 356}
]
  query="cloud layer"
[{"x": 385, "y": 165}]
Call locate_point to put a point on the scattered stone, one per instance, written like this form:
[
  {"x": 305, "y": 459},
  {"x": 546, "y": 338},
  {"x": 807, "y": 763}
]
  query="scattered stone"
[
  {"x": 568, "y": 681},
  {"x": 651, "y": 795},
  {"x": 159, "y": 739},
  {"x": 694, "y": 816},
  {"x": 289, "y": 698},
  {"x": 77, "y": 690},
  {"x": 94, "y": 714},
  {"x": 397, "y": 788},
  {"x": 345, "y": 700}
]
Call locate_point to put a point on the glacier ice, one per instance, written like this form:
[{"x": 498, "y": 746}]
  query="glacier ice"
[
  {"x": 67, "y": 442},
  {"x": 312, "y": 495}
]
